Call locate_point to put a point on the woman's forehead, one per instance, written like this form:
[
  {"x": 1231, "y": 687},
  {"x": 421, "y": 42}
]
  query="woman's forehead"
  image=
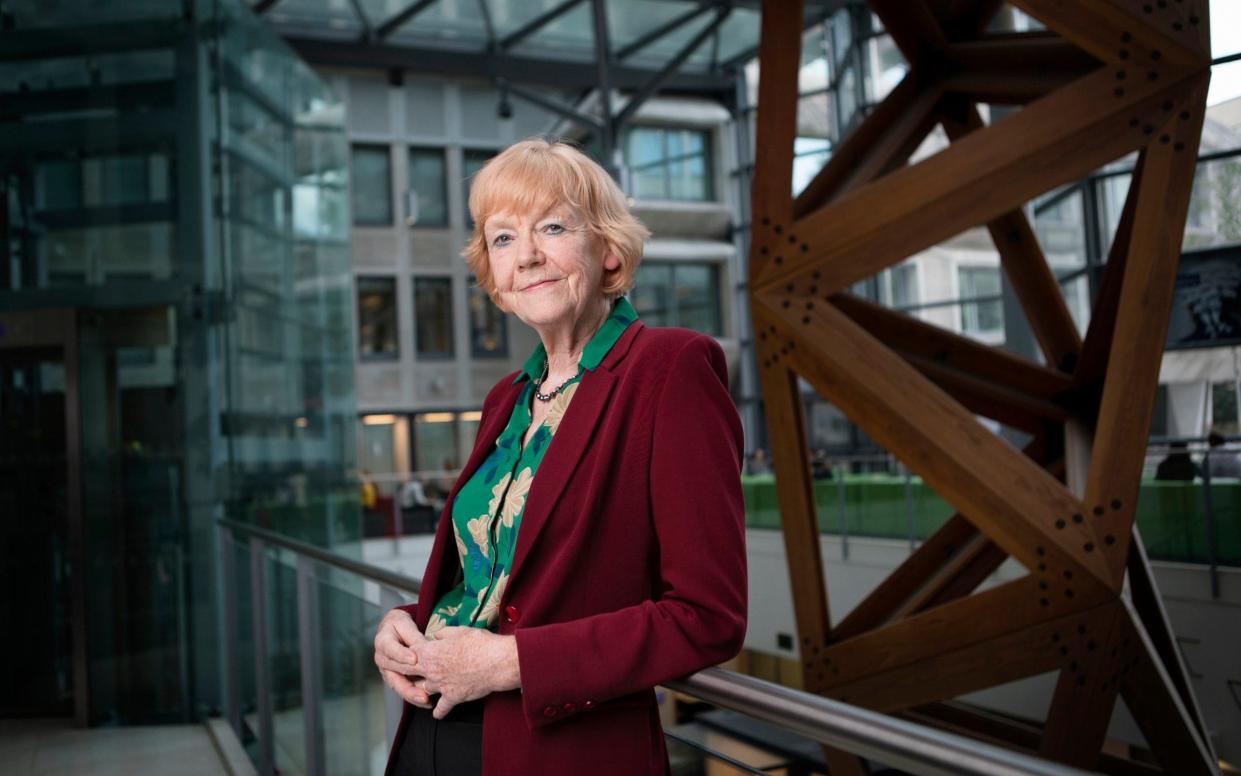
[{"x": 518, "y": 212}]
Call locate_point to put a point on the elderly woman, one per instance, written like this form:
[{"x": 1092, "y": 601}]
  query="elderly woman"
[{"x": 593, "y": 545}]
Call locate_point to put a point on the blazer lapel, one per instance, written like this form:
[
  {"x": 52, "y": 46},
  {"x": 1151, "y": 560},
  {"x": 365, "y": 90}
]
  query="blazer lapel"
[
  {"x": 562, "y": 457},
  {"x": 568, "y": 446}
]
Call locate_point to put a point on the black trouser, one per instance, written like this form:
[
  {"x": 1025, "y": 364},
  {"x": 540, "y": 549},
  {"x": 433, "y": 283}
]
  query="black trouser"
[{"x": 452, "y": 746}]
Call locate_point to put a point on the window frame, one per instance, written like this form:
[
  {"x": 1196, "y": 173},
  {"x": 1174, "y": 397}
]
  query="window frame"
[
  {"x": 381, "y": 356},
  {"x": 710, "y": 193}
]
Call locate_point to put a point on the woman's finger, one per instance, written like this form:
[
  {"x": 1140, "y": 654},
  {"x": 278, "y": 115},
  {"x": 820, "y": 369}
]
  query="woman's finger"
[
  {"x": 403, "y": 666},
  {"x": 406, "y": 630},
  {"x": 405, "y": 688},
  {"x": 442, "y": 707}
]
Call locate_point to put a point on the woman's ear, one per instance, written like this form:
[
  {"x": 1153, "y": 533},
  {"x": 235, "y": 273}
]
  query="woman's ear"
[{"x": 611, "y": 261}]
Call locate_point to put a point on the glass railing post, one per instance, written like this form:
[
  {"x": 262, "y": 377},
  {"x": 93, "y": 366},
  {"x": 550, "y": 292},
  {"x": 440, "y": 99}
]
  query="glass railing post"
[
  {"x": 393, "y": 704},
  {"x": 231, "y": 671},
  {"x": 312, "y": 668},
  {"x": 1208, "y": 524},
  {"x": 262, "y": 668}
]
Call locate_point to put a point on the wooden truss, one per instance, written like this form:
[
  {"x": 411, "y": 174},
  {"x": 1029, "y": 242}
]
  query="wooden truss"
[{"x": 1107, "y": 78}]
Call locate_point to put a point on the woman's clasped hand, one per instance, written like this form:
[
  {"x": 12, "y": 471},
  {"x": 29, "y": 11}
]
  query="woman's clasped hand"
[{"x": 459, "y": 664}]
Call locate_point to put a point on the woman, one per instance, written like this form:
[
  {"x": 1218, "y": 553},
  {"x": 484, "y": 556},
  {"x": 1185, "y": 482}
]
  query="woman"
[{"x": 593, "y": 545}]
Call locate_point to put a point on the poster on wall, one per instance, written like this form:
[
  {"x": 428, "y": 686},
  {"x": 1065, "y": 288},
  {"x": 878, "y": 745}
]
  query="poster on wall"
[{"x": 1206, "y": 304}]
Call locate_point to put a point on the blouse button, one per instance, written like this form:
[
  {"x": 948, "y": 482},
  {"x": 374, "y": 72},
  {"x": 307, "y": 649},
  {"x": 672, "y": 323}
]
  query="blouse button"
[
  {"x": 588, "y": 705},
  {"x": 569, "y": 707},
  {"x": 511, "y": 614},
  {"x": 550, "y": 711}
]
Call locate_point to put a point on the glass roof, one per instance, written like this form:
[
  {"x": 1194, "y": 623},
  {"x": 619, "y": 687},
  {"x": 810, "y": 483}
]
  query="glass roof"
[{"x": 473, "y": 25}]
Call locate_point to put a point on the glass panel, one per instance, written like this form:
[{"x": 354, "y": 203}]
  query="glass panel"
[
  {"x": 1111, "y": 192},
  {"x": 435, "y": 443},
  {"x": 809, "y": 156},
  {"x": 1214, "y": 218},
  {"x": 433, "y": 320},
  {"x": 982, "y": 319},
  {"x": 652, "y": 293},
  {"x": 284, "y": 659},
  {"x": 698, "y": 297},
  {"x": 488, "y": 327},
  {"x": 1059, "y": 226},
  {"x": 372, "y": 186},
  {"x": 428, "y": 181},
  {"x": 1077, "y": 297},
  {"x": 667, "y": 163},
  {"x": 377, "y": 317},
  {"x": 353, "y": 693}
]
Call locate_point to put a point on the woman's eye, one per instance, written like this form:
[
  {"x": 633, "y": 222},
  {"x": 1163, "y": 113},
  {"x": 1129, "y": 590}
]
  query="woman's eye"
[
  {"x": 553, "y": 229},
  {"x": 501, "y": 239}
]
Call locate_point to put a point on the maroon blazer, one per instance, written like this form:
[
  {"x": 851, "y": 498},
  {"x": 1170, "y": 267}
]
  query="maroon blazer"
[{"x": 629, "y": 568}]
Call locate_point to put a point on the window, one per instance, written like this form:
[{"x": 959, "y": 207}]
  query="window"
[
  {"x": 372, "y": 187},
  {"x": 903, "y": 286},
  {"x": 435, "y": 443},
  {"x": 433, "y": 317},
  {"x": 668, "y": 163},
  {"x": 377, "y": 318},
  {"x": 488, "y": 327},
  {"x": 471, "y": 163},
  {"x": 678, "y": 294},
  {"x": 982, "y": 312},
  {"x": 428, "y": 183},
  {"x": 59, "y": 185}
]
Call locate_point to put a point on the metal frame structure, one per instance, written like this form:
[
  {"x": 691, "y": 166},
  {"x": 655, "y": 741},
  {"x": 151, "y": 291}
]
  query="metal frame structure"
[{"x": 1107, "y": 78}]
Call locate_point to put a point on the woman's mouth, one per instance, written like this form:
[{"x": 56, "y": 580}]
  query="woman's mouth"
[{"x": 540, "y": 284}]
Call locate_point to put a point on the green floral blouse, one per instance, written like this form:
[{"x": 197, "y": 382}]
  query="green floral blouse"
[{"x": 486, "y": 512}]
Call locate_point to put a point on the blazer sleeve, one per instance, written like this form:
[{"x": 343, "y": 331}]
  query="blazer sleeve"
[{"x": 698, "y": 616}]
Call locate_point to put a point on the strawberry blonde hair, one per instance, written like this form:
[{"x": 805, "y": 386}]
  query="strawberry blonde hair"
[{"x": 536, "y": 174}]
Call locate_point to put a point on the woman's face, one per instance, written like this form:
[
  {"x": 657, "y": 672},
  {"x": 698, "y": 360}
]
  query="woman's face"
[{"x": 547, "y": 267}]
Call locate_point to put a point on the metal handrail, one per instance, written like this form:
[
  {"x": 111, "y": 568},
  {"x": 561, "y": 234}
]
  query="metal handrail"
[
  {"x": 326, "y": 557},
  {"x": 893, "y": 742}
]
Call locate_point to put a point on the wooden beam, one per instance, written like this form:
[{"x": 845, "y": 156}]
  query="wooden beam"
[
  {"x": 1032, "y": 279},
  {"x": 1141, "y": 326},
  {"x": 1006, "y": 87},
  {"x": 1098, "y": 343},
  {"x": 775, "y": 128},
  {"x": 900, "y": 673},
  {"x": 903, "y": 332},
  {"x": 1019, "y": 52},
  {"x": 799, "y": 521},
  {"x": 958, "y": 578},
  {"x": 982, "y": 397},
  {"x": 1147, "y": 604},
  {"x": 913, "y": 27},
  {"x": 1150, "y": 696},
  {"x": 1119, "y": 32},
  {"x": 1086, "y": 690},
  {"x": 1052, "y": 141},
  {"x": 1018, "y": 504},
  {"x": 883, "y": 141},
  {"x": 878, "y": 606}
]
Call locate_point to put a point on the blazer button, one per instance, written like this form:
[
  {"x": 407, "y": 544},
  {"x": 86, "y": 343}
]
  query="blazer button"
[
  {"x": 588, "y": 705},
  {"x": 511, "y": 613},
  {"x": 569, "y": 707},
  {"x": 550, "y": 711}
]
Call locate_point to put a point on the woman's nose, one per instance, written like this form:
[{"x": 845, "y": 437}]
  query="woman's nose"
[{"x": 528, "y": 251}]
